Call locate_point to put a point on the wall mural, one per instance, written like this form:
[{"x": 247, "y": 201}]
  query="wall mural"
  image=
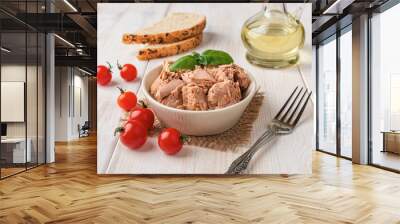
[{"x": 201, "y": 88}]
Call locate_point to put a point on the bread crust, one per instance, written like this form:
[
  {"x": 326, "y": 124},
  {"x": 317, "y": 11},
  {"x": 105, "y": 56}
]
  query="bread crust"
[
  {"x": 164, "y": 38},
  {"x": 169, "y": 49}
]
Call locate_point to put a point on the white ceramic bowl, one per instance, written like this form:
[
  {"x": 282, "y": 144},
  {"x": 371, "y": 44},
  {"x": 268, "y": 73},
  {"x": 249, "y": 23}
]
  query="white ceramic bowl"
[{"x": 197, "y": 123}]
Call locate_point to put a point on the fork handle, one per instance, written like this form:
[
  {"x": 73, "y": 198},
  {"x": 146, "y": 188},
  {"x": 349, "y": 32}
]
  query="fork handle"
[{"x": 241, "y": 163}]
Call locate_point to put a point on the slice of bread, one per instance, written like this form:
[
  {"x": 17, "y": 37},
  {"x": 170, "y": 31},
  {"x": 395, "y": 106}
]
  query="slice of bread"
[
  {"x": 164, "y": 50},
  {"x": 173, "y": 28}
]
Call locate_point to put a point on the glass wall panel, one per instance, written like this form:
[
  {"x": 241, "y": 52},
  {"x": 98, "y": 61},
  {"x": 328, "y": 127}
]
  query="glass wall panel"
[
  {"x": 346, "y": 94},
  {"x": 22, "y": 88},
  {"x": 327, "y": 97},
  {"x": 385, "y": 89},
  {"x": 13, "y": 86}
]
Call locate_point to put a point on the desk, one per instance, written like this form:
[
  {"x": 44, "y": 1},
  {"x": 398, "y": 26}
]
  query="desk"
[
  {"x": 391, "y": 141},
  {"x": 15, "y": 148}
]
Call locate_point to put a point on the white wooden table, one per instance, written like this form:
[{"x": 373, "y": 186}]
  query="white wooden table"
[{"x": 287, "y": 154}]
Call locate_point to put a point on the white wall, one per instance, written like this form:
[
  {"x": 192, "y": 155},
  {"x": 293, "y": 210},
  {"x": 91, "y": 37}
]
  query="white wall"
[
  {"x": 12, "y": 73},
  {"x": 61, "y": 114},
  {"x": 34, "y": 125},
  {"x": 15, "y": 72},
  {"x": 80, "y": 85},
  {"x": 70, "y": 83}
]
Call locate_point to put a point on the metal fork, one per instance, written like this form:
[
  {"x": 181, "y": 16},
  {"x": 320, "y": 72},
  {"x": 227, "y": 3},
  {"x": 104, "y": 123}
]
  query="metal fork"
[{"x": 283, "y": 123}]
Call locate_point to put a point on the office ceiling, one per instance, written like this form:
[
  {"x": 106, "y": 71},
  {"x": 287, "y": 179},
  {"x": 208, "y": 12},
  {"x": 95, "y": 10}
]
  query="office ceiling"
[{"x": 75, "y": 21}]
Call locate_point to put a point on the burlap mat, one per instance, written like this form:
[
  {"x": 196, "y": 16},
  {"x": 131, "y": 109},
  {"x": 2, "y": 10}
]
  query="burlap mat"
[{"x": 238, "y": 135}]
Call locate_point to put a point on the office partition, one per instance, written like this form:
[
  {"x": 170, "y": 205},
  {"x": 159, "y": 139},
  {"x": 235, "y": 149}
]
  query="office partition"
[{"x": 22, "y": 76}]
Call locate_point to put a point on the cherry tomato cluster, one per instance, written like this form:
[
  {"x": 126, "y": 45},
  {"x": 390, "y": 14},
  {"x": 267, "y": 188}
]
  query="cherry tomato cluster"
[
  {"x": 133, "y": 133},
  {"x": 104, "y": 75}
]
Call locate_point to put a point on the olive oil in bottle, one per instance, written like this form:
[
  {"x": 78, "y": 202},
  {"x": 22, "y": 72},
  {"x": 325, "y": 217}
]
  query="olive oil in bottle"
[{"x": 273, "y": 38}]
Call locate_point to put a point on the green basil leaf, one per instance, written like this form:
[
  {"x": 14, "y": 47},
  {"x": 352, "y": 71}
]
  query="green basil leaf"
[
  {"x": 215, "y": 57},
  {"x": 187, "y": 62},
  {"x": 203, "y": 60},
  {"x": 195, "y": 54},
  {"x": 208, "y": 57},
  {"x": 199, "y": 58}
]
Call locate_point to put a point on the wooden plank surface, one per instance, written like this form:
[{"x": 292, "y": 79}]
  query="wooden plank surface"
[
  {"x": 70, "y": 191},
  {"x": 113, "y": 21},
  {"x": 287, "y": 154}
]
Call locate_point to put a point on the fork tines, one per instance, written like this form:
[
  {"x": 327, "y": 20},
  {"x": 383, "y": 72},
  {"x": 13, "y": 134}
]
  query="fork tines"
[{"x": 291, "y": 111}]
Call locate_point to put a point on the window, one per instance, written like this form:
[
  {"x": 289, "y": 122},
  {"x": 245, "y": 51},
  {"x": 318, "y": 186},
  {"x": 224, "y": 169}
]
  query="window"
[
  {"x": 334, "y": 106},
  {"x": 346, "y": 93},
  {"x": 385, "y": 89},
  {"x": 327, "y": 97},
  {"x": 394, "y": 102}
]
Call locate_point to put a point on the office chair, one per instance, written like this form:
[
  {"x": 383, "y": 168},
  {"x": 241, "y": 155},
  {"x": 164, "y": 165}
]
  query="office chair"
[{"x": 84, "y": 130}]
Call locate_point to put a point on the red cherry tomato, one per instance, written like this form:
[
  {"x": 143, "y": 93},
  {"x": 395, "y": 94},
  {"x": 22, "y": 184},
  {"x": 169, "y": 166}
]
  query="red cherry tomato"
[
  {"x": 170, "y": 141},
  {"x": 103, "y": 75},
  {"x": 127, "y": 100},
  {"x": 127, "y": 72},
  {"x": 133, "y": 134},
  {"x": 143, "y": 115}
]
